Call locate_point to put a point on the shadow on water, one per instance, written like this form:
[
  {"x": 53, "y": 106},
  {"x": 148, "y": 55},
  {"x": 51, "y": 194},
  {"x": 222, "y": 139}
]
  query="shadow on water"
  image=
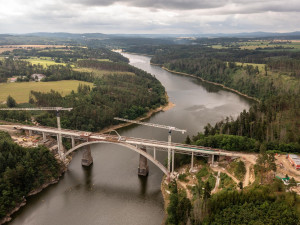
[
  {"x": 143, "y": 185},
  {"x": 87, "y": 173}
]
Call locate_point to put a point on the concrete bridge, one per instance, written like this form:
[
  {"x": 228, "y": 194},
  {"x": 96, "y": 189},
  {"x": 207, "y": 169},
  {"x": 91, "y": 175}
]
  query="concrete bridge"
[{"x": 82, "y": 139}]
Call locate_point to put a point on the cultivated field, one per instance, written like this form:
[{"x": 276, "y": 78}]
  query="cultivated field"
[
  {"x": 261, "y": 67},
  {"x": 20, "y": 91},
  {"x": 293, "y": 45},
  {"x": 5, "y": 48},
  {"x": 44, "y": 61}
]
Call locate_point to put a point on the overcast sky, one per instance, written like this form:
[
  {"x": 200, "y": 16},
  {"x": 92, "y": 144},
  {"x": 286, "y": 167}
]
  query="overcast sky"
[{"x": 149, "y": 16}]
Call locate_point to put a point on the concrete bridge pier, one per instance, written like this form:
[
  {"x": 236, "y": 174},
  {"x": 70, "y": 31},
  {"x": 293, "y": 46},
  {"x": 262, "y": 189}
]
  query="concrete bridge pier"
[
  {"x": 143, "y": 169},
  {"x": 212, "y": 159},
  {"x": 73, "y": 142},
  {"x": 44, "y": 136},
  {"x": 87, "y": 158},
  {"x": 192, "y": 162}
]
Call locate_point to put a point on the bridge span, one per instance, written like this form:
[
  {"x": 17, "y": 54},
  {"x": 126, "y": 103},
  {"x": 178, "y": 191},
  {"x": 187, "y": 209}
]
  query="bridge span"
[{"x": 139, "y": 145}]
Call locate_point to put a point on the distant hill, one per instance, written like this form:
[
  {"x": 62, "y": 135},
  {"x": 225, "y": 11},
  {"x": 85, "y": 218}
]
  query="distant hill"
[
  {"x": 251, "y": 34},
  {"x": 64, "y": 35},
  {"x": 68, "y": 35}
]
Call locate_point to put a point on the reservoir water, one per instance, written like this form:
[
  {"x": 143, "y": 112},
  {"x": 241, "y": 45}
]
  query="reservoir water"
[{"x": 110, "y": 192}]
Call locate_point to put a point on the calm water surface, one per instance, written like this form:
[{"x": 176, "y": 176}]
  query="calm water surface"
[{"x": 110, "y": 192}]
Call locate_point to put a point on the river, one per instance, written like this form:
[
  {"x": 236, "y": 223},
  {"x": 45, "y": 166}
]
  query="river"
[{"x": 110, "y": 192}]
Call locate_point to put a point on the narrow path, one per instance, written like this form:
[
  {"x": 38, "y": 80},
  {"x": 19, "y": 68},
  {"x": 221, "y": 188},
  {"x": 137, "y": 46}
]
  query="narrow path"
[
  {"x": 217, "y": 183},
  {"x": 247, "y": 175},
  {"x": 217, "y": 169},
  {"x": 184, "y": 186}
]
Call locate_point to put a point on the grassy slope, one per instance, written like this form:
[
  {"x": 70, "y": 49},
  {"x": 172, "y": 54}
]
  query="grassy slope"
[{"x": 20, "y": 91}]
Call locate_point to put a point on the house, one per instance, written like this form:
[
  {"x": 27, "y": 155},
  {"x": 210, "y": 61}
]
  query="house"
[
  {"x": 294, "y": 160},
  {"x": 37, "y": 76},
  {"x": 13, "y": 79}
]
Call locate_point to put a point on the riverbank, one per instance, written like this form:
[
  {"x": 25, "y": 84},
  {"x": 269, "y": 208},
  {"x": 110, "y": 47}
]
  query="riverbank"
[
  {"x": 165, "y": 198},
  {"x": 8, "y": 217},
  {"x": 210, "y": 82},
  {"x": 132, "y": 53}
]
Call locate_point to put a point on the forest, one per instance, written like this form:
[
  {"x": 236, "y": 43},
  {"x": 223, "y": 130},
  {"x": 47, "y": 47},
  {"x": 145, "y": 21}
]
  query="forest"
[
  {"x": 259, "y": 204},
  {"x": 68, "y": 54},
  {"x": 22, "y": 170}
]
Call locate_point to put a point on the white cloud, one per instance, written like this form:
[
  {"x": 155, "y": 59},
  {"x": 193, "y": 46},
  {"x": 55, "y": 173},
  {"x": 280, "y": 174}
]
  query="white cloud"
[{"x": 148, "y": 16}]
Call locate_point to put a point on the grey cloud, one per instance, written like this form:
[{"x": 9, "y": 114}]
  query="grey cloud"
[
  {"x": 151, "y": 16},
  {"x": 159, "y": 4},
  {"x": 243, "y": 5}
]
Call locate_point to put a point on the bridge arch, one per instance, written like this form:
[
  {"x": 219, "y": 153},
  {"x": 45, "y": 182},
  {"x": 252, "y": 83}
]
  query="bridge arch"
[{"x": 139, "y": 151}]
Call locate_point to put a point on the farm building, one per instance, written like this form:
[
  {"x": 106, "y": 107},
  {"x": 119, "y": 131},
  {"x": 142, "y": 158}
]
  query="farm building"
[
  {"x": 294, "y": 160},
  {"x": 12, "y": 79}
]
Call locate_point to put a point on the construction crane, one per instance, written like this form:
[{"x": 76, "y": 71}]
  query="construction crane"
[
  {"x": 169, "y": 128},
  {"x": 57, "y": 109}
]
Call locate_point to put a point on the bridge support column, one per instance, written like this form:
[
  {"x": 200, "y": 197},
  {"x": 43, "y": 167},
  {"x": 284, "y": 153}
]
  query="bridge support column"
[
  {"x": 73, "y": 142},
  {"x": 44, "y": 136},
  {"x": 30, "y": 132},
  {"x": 212, "y": 158},
  {"x": 169, "y": 152},
  {"x": 173, "y": 160},
  {"x": 87, "y": 158},
  {"x": 59, "y": 138},
  {"x": 60, "y": 148},
  {"x": 143, "y": 169},
  {"x": 154, "y": 153},
  {"x": 192, "y": 162}
]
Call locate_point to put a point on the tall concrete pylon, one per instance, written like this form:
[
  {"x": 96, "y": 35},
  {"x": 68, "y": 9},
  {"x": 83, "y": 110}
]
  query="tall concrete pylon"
[
  {"x": 87, "y": 158},
  {"x": 143, "y": 169}
]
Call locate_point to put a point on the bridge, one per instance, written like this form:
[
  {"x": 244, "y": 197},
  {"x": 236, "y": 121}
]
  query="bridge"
[{"x": 82, "y": 139}]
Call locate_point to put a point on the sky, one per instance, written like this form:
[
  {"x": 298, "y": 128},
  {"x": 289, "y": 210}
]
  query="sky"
[{"x": 149, "y": 16}]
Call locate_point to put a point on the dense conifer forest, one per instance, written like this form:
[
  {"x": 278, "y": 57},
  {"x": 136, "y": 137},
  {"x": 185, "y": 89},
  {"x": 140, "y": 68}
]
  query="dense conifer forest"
[
  {"x": 22, "y": 170},
  {"x": 261, "y": 204}
]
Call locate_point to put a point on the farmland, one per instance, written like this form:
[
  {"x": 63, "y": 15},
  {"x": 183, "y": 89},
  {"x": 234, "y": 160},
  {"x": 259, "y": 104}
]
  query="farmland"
[
  {"x": 291, "y": 45},
  {"x": 261, "y": 67},
  {"x": 5, "y": 48},
  {"x": 20, "y": 91},
  {"x": 44, "y": 61}
]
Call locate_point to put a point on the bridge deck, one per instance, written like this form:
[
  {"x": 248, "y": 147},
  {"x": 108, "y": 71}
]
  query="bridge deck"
[{"x": 159, "y": 145}]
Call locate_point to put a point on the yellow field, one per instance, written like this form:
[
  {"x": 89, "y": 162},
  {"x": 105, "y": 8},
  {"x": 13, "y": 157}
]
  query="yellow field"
[
  {"x": 252, "y": 45},
  {"x": 261, "y": 67},
  {"x": 44, "y": 61},
  {"x": 20, "y": 91},
  {"x": 218, "y": 47},
  {"x": 4, "y": 48},
  {"x": 100, "y": 73}
]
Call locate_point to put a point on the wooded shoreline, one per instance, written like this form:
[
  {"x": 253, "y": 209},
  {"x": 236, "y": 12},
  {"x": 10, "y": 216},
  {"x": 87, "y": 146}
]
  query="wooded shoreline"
[{"x": 210, "y": 82}]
